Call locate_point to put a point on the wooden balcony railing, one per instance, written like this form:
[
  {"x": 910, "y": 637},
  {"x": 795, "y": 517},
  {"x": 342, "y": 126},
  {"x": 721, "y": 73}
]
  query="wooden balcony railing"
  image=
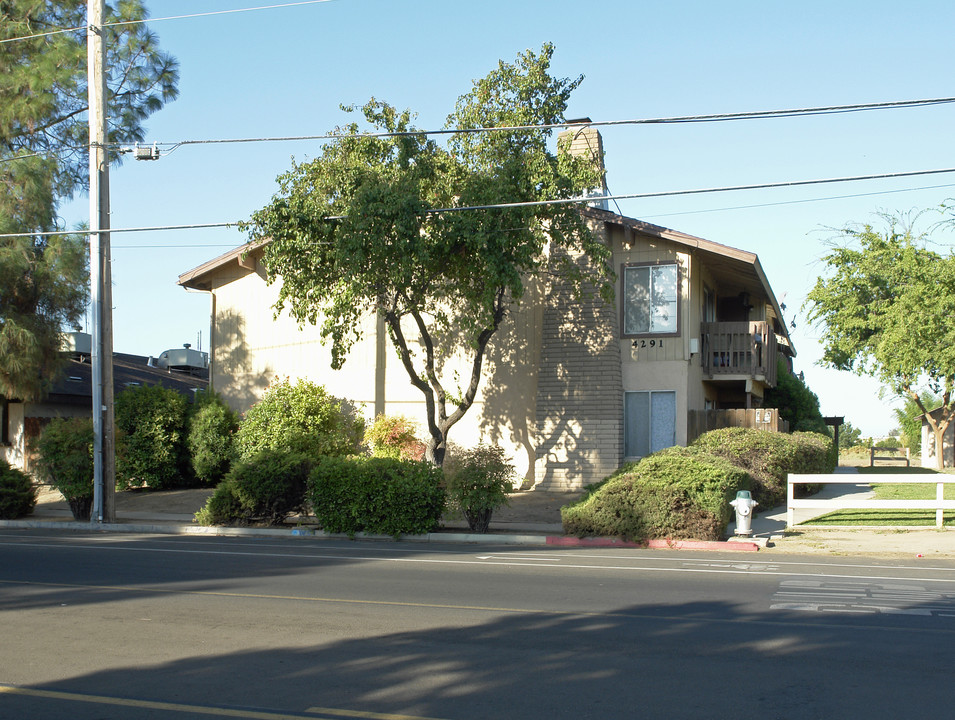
[{"x": 739, "y": 348}]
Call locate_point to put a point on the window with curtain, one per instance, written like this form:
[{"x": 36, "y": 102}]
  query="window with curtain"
[{"x": 649, "y": 422}]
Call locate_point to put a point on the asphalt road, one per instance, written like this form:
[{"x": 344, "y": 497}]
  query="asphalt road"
[{"x": 135, "y": 627}]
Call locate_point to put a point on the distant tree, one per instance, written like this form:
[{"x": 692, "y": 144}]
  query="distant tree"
[
  {"x": 849, "y": 436},
  {"x": 909, "y": 417},
  {"x": 352, "y": 233},
  {"x": 888, "y": 308},
  {"x": 798, "y": 405}
]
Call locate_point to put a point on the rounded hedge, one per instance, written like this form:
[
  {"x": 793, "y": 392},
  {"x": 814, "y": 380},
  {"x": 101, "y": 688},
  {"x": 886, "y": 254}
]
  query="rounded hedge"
[
  {"x": 769, "y": 457},
  {"x": 301, "y": 417},
  {"x": 17, "y": 493},
  {"x": 478, "y": 482},
  {"x": 150, "y": 441},
  {"x": 266, "y": 488},
  {"x": 66, "y": 461},
  {"x": 211, "y": 438},
  {"x": 382, "y": 496},
  {"x": 676, "y": 493}
]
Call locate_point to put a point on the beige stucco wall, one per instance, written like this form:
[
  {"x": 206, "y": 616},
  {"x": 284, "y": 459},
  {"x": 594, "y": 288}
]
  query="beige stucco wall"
[
  {"x": 251, "y": 347},
  {"x": 668, "y": 364},
  {"x": 14, "y": 452}
]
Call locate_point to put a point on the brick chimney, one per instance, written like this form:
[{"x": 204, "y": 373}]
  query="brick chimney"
[{"x": 584, "y": 141}]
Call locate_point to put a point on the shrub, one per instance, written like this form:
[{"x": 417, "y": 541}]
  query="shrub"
[
  {"x": 300, "y": 417},
  {"x": 393, "y": 436},
  {"x": 478, "y": 481},
  {"x": 17, "y": 494},
  {"x": 222, "y": 507},
  {"x": 798, "y": 405},
  {"x": 770, "y": 457},
  {"x": 267, "y": 487},
  {"x": 766, "y": 456},
  {"x": 815, "y": 454},
  {"x": 150, "y": 443},
  {"x": 66, "y": 461},
  {"x": 376, "y": 495},
  {"x": 675, "y": 493},
  {"x": 211, "y": 438}
]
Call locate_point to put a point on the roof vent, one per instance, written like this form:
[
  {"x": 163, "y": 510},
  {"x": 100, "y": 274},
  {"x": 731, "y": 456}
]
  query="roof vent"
[{"x": 184, "y": 360}]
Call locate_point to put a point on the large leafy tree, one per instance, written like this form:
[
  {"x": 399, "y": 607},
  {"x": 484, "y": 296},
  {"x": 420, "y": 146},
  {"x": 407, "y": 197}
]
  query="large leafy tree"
[
  {"x": 888, "y": 307},
  {"x": 356, "y": 231},
  {"x": 44, "y": 160},
  {"x": 798, "y": 405}
]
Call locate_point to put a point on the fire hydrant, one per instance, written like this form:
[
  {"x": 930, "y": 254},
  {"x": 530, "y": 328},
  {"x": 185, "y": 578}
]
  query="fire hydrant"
[{"x": 744, "y": 504}]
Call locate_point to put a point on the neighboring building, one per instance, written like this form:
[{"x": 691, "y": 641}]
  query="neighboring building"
[
  {"x": 929, "y": 458},
  {"x": 571, "y": 389},
  {"x": 72, "y": 394}
]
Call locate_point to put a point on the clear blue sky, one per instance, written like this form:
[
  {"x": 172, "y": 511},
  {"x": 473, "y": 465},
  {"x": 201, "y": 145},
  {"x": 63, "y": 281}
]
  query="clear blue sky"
[{"x": 285, "y": 71}]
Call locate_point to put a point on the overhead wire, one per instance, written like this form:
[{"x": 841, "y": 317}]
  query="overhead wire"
[
  {"x": 533, "y": 203},
  {"x": 162, "y": 19},
  {"x": 679, "y": 119}
]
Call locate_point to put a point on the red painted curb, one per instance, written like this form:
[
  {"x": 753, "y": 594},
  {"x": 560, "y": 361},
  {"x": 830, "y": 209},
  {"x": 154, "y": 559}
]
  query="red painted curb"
[{"x": 564, "y": 541}]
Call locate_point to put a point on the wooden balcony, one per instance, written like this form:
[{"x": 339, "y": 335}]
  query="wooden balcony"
[{"x": 734, "y": 350}]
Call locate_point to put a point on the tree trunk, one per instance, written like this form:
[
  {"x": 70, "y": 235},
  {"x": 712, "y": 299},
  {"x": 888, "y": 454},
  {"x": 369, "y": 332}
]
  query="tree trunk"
[
  {"x": 434, "y": 451},
  {"x": 939, "y": 432}
]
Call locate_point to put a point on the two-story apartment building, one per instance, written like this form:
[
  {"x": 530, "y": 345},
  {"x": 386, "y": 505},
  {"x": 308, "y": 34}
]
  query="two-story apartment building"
[{"x": 572, "y": 388}]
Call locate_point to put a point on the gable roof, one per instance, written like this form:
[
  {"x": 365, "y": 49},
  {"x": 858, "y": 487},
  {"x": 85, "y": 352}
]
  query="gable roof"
[
  {"x": 243, "y": 257},
  {"x": 742, "y": 268}
]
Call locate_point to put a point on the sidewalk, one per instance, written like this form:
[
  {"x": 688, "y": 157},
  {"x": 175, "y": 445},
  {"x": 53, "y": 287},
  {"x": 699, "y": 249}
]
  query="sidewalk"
[
  {"x": 531, "y": 518},
  {"x": 769, "y": 529}
]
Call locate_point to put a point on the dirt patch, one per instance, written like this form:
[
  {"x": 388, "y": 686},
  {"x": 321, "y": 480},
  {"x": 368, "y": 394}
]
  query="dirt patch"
[{"x": 533, "y": 506}]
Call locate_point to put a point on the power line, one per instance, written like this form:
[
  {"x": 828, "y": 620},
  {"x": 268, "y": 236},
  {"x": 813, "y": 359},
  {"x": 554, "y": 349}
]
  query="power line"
[
  {"x": 642, "y": 215},
  {"x": 680, "y": 119},
  {"x": 669, "y": 193},
  {"x": 534, "y": 203},
  {"x": 219, "y": 12},
  {"x": 795, "y": 202},
  {"x": 172, "y": 17}
]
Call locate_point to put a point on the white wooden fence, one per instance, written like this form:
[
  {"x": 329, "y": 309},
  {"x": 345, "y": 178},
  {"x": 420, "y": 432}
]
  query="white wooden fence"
[{"x": 853, "y": 502}]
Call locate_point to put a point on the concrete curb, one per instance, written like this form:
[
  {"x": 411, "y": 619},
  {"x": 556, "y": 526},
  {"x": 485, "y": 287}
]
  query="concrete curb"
[
  {"x": 565, "y": 541},
  {"x": 445, "y": 537}
]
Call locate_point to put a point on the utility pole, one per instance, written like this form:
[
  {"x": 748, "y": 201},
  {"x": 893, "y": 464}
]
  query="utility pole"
[{"x": 104, "y": 467}]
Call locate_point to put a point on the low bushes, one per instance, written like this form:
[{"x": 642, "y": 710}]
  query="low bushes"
[
  {"x": 675, "y": 493},
  {"x": 211, "y": 438},
  {"x": 66, "y": 461},
  {"x": 478, "y": 481},
  {"x": 394, "y": 436},
  {"x": 150, "y": 445},
  {"x": 301, "y": 417},
  {"x": 769, "y": 457},
  {"x": 266, "y": 488},
  {"x": 17, "y": 494},
  {"x": 382, "y": 496}
]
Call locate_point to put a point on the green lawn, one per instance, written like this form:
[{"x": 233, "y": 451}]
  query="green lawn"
[{"x": 889, "y": 491}]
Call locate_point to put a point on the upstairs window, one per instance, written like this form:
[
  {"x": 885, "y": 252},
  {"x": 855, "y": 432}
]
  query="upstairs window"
[{"x": 651, "y": 299}]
